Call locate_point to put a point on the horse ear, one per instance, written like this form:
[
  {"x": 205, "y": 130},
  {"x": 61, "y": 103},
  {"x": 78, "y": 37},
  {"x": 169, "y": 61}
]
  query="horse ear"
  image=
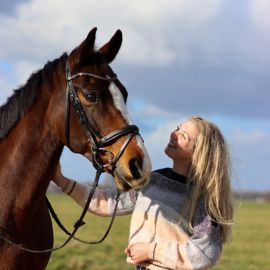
[
  {"x": 110, "y": 49},
  {"x": 88, "y": 44}
]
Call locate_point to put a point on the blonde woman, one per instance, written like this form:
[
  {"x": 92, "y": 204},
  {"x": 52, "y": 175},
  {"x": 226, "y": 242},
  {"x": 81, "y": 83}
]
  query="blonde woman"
[{"x": 183, "y": 216}]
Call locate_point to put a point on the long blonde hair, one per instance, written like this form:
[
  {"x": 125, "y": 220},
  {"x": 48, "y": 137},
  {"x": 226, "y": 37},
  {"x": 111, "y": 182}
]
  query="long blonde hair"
[{"x": 210, "y": 173}]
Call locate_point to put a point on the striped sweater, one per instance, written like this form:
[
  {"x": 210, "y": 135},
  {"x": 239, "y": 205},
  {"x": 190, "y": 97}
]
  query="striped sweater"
[{"x": 155, "y": 219}]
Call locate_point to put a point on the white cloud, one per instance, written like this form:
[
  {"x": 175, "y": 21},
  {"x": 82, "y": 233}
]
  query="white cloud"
[
  {"x": 255, "y": 137},
  {"x": 260, "y": 11},
  {"x": 250, "y": 148},
  {"x": 161, "y": 135},
  {"x": 155, "y": 32},
  {"x": 24, "y": 70},
  {"x": 151, "y": 110},
  {"x": 250, "y": 158},
  {"x": 46, "y": 27}
]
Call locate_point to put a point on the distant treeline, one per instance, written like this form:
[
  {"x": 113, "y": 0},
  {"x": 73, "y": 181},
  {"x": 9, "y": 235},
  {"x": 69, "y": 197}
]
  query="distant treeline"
[{"x": 253, "y": 195}]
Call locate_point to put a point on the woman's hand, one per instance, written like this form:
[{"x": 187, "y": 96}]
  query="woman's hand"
[{"x": 138, "y": 252}]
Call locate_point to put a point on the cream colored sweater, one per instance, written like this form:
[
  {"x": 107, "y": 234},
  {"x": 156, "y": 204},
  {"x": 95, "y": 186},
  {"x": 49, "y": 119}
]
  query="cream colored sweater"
[{"x": 155, "y": 219}]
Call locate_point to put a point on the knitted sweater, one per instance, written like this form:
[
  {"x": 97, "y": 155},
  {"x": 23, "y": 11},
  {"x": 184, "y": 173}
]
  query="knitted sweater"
[{"x": 155, "y": 219}]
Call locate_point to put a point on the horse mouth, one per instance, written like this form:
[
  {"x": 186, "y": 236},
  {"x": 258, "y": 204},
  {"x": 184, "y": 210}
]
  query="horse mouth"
[
  {"x": 127, "y": 182},
  {"x": 133, "y": 172}
]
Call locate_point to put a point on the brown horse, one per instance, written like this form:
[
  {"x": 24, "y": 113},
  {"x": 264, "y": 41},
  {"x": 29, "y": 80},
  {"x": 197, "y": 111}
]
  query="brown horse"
[{"x": 36, "y": 123}]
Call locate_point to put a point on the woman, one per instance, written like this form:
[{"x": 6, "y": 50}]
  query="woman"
[{"x": 183, "y": 216}]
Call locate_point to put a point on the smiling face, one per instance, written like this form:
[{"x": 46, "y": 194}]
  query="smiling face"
[{"x": 182, "y": 142}]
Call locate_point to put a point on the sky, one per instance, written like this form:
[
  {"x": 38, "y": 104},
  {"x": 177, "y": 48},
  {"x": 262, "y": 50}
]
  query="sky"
[{"x": 178, "y": 58}]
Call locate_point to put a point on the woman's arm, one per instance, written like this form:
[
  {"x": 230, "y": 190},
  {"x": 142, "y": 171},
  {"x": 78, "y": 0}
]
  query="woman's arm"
[{"x": 103, "y": 201}]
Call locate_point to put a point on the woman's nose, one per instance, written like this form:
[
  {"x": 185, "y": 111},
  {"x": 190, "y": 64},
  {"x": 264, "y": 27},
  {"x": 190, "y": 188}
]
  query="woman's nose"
[{"x": 174, "y": 135}]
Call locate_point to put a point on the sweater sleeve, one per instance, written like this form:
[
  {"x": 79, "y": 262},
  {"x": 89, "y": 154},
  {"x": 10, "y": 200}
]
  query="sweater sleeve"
[
  {"x": 200, "y": 251},
  {"x": 103, "y": 201}
]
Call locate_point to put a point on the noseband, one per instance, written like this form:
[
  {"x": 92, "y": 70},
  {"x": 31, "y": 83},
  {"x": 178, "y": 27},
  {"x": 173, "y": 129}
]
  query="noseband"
[{"x": 97, "y": 141}]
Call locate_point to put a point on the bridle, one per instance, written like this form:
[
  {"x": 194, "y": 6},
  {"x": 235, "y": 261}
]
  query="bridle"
[
  {"x": 97, "y": 141},
  {"x": 97, "y": 146}
]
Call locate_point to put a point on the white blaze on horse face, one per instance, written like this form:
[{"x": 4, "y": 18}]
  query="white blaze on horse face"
[
  {"x": 119, "y": 102},
  {"x": 120, "y": 105}
]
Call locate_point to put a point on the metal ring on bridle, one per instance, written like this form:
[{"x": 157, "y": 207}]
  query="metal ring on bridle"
[{"x": 97, "y": 161}]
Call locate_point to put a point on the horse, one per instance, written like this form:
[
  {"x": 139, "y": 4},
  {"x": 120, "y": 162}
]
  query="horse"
[{"x": 76, "y": 101}]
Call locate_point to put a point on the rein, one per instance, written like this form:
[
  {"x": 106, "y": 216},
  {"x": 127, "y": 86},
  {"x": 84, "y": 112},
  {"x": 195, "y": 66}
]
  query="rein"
[
  {"x": 77, "y": 225},
  {"x": 65, "y": 230},
  {"x": 98, "y": 143}
]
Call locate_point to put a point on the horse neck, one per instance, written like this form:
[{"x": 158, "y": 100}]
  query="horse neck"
[{"x": 29, "y": 156}]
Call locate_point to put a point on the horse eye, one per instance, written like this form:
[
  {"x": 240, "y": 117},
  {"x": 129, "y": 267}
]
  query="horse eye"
[{"x": 91, "y": 96}]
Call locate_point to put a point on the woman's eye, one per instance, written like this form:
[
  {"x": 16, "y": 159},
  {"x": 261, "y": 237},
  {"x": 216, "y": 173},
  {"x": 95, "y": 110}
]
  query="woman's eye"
[
  {"x": 91, "y": 96},
  {"x": 177, "y": 128}
]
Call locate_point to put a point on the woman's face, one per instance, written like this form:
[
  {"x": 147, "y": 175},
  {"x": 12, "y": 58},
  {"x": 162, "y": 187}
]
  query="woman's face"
[{"x": 182, "y": 141}]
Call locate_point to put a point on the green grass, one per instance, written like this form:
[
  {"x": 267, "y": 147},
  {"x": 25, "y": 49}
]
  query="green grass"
[{"x": 250, "y": 249}]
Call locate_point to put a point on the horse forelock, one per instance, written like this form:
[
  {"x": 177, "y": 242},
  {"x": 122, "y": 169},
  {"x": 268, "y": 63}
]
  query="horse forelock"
[{"x": 23, "y": 98}]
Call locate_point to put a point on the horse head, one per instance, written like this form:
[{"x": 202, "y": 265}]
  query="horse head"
[{"x": 97, "y": 123}]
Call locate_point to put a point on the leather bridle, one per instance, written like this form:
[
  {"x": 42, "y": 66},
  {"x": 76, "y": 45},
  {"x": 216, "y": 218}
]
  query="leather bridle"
[
  {"x": 97, "y": 141},
  {"x": 97, "y": 146}
]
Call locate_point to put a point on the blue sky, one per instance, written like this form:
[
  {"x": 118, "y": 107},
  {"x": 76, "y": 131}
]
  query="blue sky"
[{"x": 178, "y": 58}]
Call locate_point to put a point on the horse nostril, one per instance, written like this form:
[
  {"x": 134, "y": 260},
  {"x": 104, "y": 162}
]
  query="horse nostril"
[{"x": 135, "y": 166}]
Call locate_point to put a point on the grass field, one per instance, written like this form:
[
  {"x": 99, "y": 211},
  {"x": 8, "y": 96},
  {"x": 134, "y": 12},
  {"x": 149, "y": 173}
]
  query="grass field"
[{"x": 250, "y": 249}]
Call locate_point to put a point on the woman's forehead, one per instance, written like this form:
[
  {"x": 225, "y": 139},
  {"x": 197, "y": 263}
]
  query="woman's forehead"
[{"x": 190, "y": 128}]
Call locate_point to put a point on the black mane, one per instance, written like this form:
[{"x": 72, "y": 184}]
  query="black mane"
[{"x": 24, "y": 97}]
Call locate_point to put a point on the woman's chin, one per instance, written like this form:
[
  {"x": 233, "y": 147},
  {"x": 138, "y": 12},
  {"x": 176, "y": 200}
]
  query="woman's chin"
[{"x": 167, "y": 151}]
